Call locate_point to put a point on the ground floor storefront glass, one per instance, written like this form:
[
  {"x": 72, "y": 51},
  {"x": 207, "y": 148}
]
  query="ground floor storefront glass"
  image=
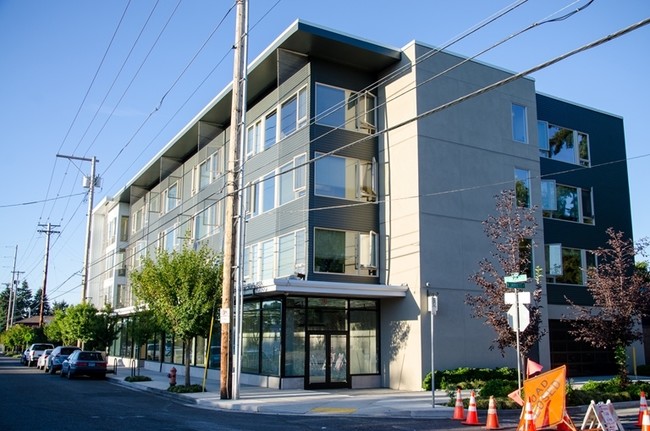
[{"x": 323, "y": 340}]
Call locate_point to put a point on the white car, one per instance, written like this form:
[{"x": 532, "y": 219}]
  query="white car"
[
  {"x": 35, "y": 351},
  {"x": 42, "y": 360}
]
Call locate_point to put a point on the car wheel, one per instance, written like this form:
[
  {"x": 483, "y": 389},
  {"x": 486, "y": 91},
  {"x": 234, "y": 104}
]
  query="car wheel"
[
  {"x": 69, "y": 375},
  {"x": 62, "y": 375},
  {"x": 51, "y": 371}
]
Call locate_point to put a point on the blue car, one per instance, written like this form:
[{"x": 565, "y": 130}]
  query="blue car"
[
  {"x": 84, "y": 363},
  {"x": 56, "y": 358}
]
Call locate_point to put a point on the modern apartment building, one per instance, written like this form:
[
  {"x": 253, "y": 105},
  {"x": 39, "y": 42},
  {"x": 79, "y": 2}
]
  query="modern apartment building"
[{"x": 360, "y": 202}]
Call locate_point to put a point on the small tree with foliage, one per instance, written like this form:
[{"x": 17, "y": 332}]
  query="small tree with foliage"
[
  {"x": 79, "y": 322},
  {"x": 105, "y": 329},
  {"x": 621, "y": 298},
  {"x": 511, "y": 231},
  {"x": 18, "y": 337},
  {"x": 180, "y": 288},
  {"x": 55, "y": 329},
  {"x": 145, "y": 327},
  {"x": 35, "y": 306}
]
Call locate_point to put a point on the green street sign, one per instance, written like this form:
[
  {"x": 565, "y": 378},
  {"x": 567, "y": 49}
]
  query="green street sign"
[{"x": 516, "y": 281}]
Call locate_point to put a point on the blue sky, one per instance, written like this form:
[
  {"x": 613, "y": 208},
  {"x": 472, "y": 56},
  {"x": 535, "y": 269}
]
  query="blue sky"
[{"x": 55, "y": 97}]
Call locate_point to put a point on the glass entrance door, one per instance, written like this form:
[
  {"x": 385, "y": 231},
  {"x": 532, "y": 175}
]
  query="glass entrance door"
[{"x": 328, "y": 364}]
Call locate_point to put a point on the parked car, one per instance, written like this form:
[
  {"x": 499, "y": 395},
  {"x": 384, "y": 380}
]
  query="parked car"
[
  {"x": 56, "y": 358},
  {"x": 35, "y": 351},
  {"x": 23, "y": 357},
  {"x": 42, "y": 360},
  {"x": 84, "y": 362}
]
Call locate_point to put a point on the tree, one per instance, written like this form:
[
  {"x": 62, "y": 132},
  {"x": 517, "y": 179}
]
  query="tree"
[
  {"x": 4, "y": 308},
  {"x": 145, "y": 327},
  {"x": 620, "y": 299},
  {"x": 55, "y": 329},
  {"x": 18, "y": 337},
  {"x": 35, "y": 306},
  {"x": 511, "y": 232},
  {"x": 181, "y": 289},
  {"x": 23, "y": 301},
  {"x": 106, "y": 330},
  {"x": 59, "y": 305},
  {"x": 79, "y": 323}
]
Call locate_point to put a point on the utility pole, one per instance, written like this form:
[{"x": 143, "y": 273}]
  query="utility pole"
[
  {"x": 47, "y": 232},
  {"x": 233, "y": 179},
  {"x": 11, "y": 305},
  {"x": 89, "y": 182}
]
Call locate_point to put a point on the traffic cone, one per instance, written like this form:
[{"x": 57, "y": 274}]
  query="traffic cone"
[
  {"x": 645, "y": 423},
  {"x": 472, "y": 414},
  {"x": 528, "y": 423},
  {"x": 492, "y": 419},
  {"x": 459, "y": 409},
  {"x": 643, "y": 407}
]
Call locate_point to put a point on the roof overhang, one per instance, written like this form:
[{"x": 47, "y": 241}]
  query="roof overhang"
[
  {"x": 297, "y": 286},
  {"x": 301, "y": 37}
]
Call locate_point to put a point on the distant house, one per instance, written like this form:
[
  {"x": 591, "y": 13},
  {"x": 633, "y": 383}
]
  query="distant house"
[{"x": 34, "y": 320}]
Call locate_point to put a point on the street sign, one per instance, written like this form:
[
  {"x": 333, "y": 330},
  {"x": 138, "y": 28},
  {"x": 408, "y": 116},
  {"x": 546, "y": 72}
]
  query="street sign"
[
  {"x": 513, "y": 297},
  {"x": 524, "y": 317},
  {"x": 516, "y": 281}
]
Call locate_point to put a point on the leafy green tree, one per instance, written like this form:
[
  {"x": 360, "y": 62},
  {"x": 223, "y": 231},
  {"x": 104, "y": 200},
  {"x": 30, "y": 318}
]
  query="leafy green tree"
[
  {"x": 80, "y": 323},
  {"x": 54, "y": 330},
  {"x": 4, "y": 308},
  {"x": 18, "y": 337},
  {"x": 181, "y": 289},
  {"x": 620, "y": 299},
  {"x": 510, "y": 231},
  {"x": 105, "y": 329},
  {"x": 145, "y": 327}
]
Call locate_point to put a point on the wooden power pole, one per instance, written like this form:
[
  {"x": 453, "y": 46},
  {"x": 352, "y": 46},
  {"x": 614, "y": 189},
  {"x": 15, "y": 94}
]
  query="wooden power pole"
[{"x": 230, "y": 248}]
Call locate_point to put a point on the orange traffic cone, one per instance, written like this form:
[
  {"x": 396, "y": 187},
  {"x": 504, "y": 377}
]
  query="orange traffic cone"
[
  {"x": 472, "y": 414},
  {"x": 645, "y": 423},
  {"x": 492, "y": 419},
  {"x": 643, "y": 407},
  {"x": 528, "y": 422},
  {"x": 459, "y": 409},
  {"x": 566, "y": 424}
]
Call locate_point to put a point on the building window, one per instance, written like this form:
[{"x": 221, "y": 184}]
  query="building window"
[
  {"x": 363, "y": 337},
  {"x": 270, "y": 128},
  {"x": 568, "y": 265},
  {"x": 267, "y": 259},
  {"x": 519, "y": 122},
  {"x": 208, "y": 221},
  {"x": 139, "y": 253},
  {"x": 112, "y": 230},
  {"x": 253, "y": 139},
  {"x": 563, "y": 144},
  {"x": 276, "y": 188},
  {"x": 168, "y": 239},
  {"x": 345, "y": 178},
  {"x": 345, "y": 252},
  {"x": 264, "y": 265},
  {"x": 124, "y": 228},
  {"x": 344, "y": 109},
  {"x": 522, "y": 187},
  {"x": 567, "y": 203},
  {"x": 138, "y": 220},
  {"x": 526, "y": 264},
  {"x": 288, "y": 117},
  {"x": 171, "y": 197}
]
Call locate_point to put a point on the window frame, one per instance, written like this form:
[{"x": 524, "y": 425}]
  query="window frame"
[
  {"x": 352, "y": 240},
  {"x": 519, "y": 123}
]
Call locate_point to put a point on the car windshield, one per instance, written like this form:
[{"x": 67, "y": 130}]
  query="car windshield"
[{"x": 68, "y": 350}]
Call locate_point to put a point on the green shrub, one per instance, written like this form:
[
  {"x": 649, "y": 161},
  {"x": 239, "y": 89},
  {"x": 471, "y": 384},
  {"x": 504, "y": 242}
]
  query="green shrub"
[
  {"x": 137, "y": 379},
  {"x": 182, "y": 389},
  {"x": 498, "y": 388}
]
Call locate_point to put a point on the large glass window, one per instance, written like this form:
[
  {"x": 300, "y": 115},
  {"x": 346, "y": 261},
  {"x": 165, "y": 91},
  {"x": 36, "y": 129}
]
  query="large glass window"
[
  {"x": 268, "y": 192},
  {"x": 124, "y": 228},
  {"x": 567, "y": 265},
  {"x": 563, "y": 144},
  {"x": 344, "y": 252},
  {"x": 571, "y": 203},
  {"x": 522, "y": 187},
  {"x": 343, "y": 177},
  {"x": 340, "y": 108},
  {"x": 172, "y": 197},
  {"x": 288, "y": 117},
  {"x": 271, "y": 337},
  {"x": 277, "y": 188},
  {"x": 207, "y": 222},
  {"x": 364, "y": 358},
  {"x": 253, "y": 139},
  {"x": 268, "y": 259},
  {"x": 519, "y": 132},
  {"x": 294, "y": 362},
  {"x": 251, "y": 337}
]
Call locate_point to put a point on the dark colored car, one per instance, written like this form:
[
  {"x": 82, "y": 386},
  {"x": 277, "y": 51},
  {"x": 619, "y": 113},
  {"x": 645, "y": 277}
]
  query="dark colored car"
[
  {"x": 56, "y": 358},
  {"x": 84, "y": 363}
]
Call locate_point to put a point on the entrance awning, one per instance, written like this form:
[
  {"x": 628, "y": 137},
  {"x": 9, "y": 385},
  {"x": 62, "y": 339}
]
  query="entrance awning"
[{"x": 297, "y": 286}]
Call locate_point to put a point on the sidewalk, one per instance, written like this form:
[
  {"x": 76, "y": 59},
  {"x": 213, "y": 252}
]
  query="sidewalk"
[
  {"x": 379, "y": 402},
  {"x": 359, "y": 402}
]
